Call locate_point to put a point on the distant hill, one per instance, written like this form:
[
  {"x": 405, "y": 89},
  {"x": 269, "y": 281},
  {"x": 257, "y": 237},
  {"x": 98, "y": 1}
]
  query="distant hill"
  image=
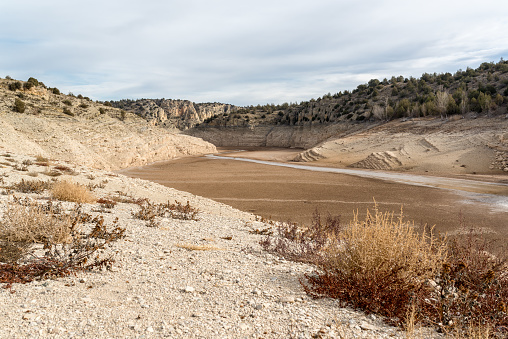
[
  {"x": 41, "y": 121},
  {"x": 481, "y": 91}
]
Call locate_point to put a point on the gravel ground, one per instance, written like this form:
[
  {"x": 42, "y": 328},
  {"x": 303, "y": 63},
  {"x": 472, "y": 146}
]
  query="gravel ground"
[{"x": 161, "y": 287}]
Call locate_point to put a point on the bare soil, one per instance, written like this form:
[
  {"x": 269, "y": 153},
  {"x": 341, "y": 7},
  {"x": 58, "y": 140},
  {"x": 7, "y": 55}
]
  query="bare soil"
[{"x": 287, "y": 194}]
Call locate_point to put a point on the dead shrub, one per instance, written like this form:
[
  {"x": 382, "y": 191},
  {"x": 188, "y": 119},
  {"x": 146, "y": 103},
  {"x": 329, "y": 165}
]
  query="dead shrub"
[
  {"x": 31, "y": 186},
  {"x": 68, "y": 191},
  {"x": 27, "y": 221},
  {"x": 106, "y": 203},
  {"x": 67, "y": 246},
  {"x": 384, "y": 265},
  {"x": 149, "y": 211},
  {"x": 378, "y": 264}
]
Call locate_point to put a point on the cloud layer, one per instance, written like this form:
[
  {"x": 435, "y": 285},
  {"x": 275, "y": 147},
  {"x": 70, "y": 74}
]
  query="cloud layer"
[{"x": 242, "y": 52}]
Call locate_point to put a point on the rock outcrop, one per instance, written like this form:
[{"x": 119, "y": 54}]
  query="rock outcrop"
[{"x": 181, "y": 114}]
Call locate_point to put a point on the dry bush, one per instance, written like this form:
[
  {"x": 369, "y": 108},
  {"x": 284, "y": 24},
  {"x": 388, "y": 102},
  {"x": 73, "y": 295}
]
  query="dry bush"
[
  {"x": 66, "y": 245},
  {"x": 383, "y": 265},
  {"x": 471, "y": 289},
  {"x": 302, "y": 243},
  {"x": 106, "y": 203},
  {"x": 65, "y": 169},
  {"x": 27, "y": 221},
  {"x": 68, "y": 191},
  {"x": 31, "y": 186},
  {"x": 378, "y": 264},
  {"x": 150, "y": 211}
]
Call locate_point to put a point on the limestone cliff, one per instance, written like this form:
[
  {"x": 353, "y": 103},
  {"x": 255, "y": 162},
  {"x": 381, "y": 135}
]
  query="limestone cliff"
[{"x": 181, "y": 114}]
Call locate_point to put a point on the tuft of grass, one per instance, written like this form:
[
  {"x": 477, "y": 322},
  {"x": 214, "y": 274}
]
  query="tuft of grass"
[{"x": 68, "y": 191}]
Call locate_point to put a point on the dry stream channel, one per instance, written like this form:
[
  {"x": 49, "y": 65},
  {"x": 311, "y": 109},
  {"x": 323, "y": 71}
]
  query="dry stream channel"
[{"x": 287, "y": 191}]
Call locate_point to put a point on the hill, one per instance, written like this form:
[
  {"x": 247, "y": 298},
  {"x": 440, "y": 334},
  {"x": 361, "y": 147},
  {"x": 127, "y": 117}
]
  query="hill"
[
  {"x": 38, "y": 120},
  {"x": 483, "y": 90}
]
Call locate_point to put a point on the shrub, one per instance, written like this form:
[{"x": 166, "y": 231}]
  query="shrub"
[
  {"x": 102, "y": 110},
  {"x": 68, "y": 191},
  {"x": 67, "y": 111},
  {"x": 31, "y": 186},
  {"x": 19, "y": 106},
  {"x": 383, "y": 265},
  {"x": 55, "y": 91},
  {"x": 67, "y": 102},
  {"x": 149, "y": 211},
  {"x": 67, "y": 248},
  {"x": 377, "y": 264},
  {"x": 15, "y": 86},
  {"x": 83, "y": 105}
]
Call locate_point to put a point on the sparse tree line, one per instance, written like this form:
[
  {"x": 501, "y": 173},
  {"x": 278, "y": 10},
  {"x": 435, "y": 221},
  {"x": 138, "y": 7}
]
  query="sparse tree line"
[{"x": 482, "y": 90}]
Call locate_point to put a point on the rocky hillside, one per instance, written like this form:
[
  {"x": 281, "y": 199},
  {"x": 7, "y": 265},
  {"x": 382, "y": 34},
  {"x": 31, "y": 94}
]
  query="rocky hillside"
[
  {"x": 181, "y": 114},
  {"x": 38, "y": 120},
  {"x": 483, "y": 91}
]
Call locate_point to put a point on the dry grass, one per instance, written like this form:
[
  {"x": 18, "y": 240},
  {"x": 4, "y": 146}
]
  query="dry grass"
[
  {"x": 26, "y": 222},
  {"x": 68, "y": 191},
  {"x": 29, "y": 221},
  {"x": 28, "y": 227},
  {"x": 378, "y": 264}
]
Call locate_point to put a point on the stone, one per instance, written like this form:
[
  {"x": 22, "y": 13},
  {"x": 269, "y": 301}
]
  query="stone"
[{"x": 189, "y": 289}]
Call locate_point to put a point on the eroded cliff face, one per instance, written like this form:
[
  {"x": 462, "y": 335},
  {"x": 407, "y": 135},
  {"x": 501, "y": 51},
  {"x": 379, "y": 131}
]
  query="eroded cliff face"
[
  {"x": 271, "y": 136},
  {"x": 181, "y": 114}
]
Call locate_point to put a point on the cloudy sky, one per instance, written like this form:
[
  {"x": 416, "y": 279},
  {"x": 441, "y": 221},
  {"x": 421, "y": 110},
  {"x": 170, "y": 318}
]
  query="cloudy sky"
[{"x": 241, "y": 51}]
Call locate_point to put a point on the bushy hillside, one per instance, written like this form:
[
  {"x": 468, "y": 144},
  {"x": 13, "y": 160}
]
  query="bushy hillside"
[{"x": 482, "y": 90}]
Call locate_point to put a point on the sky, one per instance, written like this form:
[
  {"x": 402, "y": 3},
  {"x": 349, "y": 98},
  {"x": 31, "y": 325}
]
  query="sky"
[{"x": 242, "y": 52}]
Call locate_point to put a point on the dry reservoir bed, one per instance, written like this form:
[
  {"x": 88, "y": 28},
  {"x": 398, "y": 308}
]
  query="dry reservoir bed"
[{"x": 288, "y": 194}]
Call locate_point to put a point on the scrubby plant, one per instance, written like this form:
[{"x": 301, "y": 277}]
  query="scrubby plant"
[
  {"x": 19, "y": 106},
  {"x": 67, "y": 111},
  {"x": 67, "y": 102},
  {"x": 55, "y": 90},
  {"x": 13, "y": 86},
  {"x": 31, "y": 186},
  {"x": 150, "y": 211},
  {"x": 68, "y": 191},
  {"x": 70, "y": 242},
  {"x": 386, "y": 266}
]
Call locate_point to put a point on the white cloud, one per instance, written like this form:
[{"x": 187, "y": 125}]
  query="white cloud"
[{"x": 242, "y": 52}]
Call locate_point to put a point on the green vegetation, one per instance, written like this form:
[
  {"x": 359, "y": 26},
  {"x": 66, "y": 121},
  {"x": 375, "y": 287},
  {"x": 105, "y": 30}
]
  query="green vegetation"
[
  {"x": 480, "y": 91},
  {"x": 382, "y": 265},
  {"x": 19, "y": 106}
]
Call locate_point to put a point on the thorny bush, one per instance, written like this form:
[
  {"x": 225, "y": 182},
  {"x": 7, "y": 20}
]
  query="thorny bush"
[
  {"x": 39, "y": 241},
  {"x": 149, "y": 211},
  {"x": 386, "y": 266}
]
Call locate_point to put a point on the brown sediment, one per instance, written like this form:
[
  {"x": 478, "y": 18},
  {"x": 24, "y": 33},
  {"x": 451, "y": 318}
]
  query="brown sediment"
[{"x": 288, "y": 194}]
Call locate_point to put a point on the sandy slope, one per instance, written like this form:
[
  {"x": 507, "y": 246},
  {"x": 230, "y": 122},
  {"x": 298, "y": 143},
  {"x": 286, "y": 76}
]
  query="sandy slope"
[
  {"x": 100, "y": 142},
  {"x": 457, "y": 146}
]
